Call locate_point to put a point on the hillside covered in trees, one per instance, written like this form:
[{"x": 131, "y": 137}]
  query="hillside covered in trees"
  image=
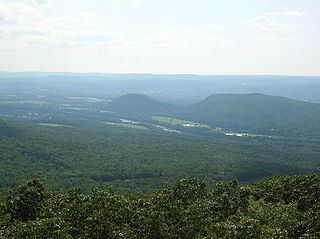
[
  {"x": 249, "y": 113},
  {"x": 136, "y": 145},
  {"x": 139, "y": 104},
  {"x": 141, "y": 159},
  {"x": 257, "y": 113},
  {"x": 277, "y": 207}
]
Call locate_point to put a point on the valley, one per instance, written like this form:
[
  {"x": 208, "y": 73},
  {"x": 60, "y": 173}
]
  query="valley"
[
  {"x": 136, "y": 143},
  {"x": 169, "y": 119}
]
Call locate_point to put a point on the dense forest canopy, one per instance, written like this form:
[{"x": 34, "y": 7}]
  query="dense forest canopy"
[
  {"x": 257, "y": 113},
  {"x": 92, "y": 134},
  {"x": 142, "y": 160},
  {"x": 250, "y": 113},
  {"x": 277, "y": 207},
  {"x": 137, "y": 143},
  {"x": 139, "y": 104}
]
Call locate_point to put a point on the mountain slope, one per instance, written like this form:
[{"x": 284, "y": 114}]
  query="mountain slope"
[
  {"x": 250, "y": 113},
  {"x": 142, "y": 160},
  {"x": 138, "y": 104},
  {"x": 9, "y": 130},
  {"x": 257, "y": 113}
]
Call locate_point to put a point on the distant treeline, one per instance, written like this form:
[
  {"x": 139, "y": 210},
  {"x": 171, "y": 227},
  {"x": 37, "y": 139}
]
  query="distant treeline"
[{"x": 249, "y": 113}]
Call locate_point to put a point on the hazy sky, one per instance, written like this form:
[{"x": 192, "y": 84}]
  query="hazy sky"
[{"x": 161, "y": 36}]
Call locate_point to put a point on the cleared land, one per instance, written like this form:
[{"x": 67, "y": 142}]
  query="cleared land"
[
  {"x": 76, "y": 108},
  {"x": 133, "y": 126},
  {"x": 35, "y": 102},
  {"x": 106, "y": 111},
  {"x": 173, "y": 121},
  {"x": 54, "y": 125}
]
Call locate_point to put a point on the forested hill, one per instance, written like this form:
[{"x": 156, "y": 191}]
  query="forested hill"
[
  {"x": 247, "y": 113},
  {"x": 141, "y": 159},
  {"x": 9, "y": 130},
  {"x": 257, "y": 113},
  {"x": 139, "y": 104},
  {"x": 279, "y": 207}
]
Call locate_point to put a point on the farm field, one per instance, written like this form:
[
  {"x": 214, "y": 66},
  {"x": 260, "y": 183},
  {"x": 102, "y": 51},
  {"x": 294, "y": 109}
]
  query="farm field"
[
  {"x": 133, "y": 126},
  {"x": 184, "y": 123},
  {"x": 54, "y": 125}
]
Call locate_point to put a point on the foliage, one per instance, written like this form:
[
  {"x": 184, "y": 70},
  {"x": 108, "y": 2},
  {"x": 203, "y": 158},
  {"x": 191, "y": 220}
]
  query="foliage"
[
  {"x": 187, "y": 209},
  {"x": 257, "y": 113},
  {"x": 138, "y": 104},
  {"x": 25, "y": 202},
  {"x": 142, "y": 160}
]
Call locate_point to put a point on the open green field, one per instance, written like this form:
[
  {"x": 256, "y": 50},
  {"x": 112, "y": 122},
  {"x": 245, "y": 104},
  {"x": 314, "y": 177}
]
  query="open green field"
[
  {"x": 106, "y": 111},
  {"x": 268, "y": 136},
  {"x": 54, "y": 125},
  {"x": 35, "y": 102},
  {"x": 174, "y": 121},
  {"x": 285, "y": 138},
  {"x": 133, "y": 126},
  {"x": 76, "y": 108}
]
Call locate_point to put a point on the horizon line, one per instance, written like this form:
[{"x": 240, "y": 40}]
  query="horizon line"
[{"x": 146, "y": 73}]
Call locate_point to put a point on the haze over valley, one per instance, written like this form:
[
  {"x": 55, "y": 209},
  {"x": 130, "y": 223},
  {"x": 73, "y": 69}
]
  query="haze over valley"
[
  {"x": 143, "y": 119},
  {"x": 128, "y": 126}
]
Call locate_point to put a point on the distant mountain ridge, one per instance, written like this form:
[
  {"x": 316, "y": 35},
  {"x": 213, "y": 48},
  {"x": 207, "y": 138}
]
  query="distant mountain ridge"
[
  {"x": 258, "y": 113},
  {"x": 171, "y": 88},
  {"x": 8, "y": 74},
  {"x": 250, "y": 113},
  {"x": 141, "y": 104}
]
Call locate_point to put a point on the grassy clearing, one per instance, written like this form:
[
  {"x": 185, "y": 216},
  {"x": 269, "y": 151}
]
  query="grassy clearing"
[
  {"x": 286, "y": 138},
  {"x": 133, "y": 126},
  {"x": 75, "y": 98},
  {"x": 180, "y": 122},
  {"x": 9, "y": 102},
  {"x": 54, "y": 125},
  {"x": 106, "y": 111},
  {"x": 35, "y": 102},
  {"x": 76, "y": 108},
  {"x": 267, "y": 136}
]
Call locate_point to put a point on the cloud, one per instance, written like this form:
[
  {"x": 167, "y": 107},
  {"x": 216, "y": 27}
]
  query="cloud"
[
  {"x": 85, "y": 20},
  {"x": 268, "y": 15},
  {"x": 42, "y": 2},
  {"x": 77, "y": 38},
  {"x": 259, "y": 19},
  {"x": 275, "y": 38},
  {"x": 24, "y": 25},
  {"x": 71, "y": 2},
  {"x": 264, "y": 3},
  {"x": 274, "y": 20},
  {"x": 15, "y": 12},
  {"x": 168, "y": 39},
  {"x": 218, "y": 39},
  {"x": 292, "y": 13},
  {"x": 137, "y": 2},
  {"x": 218, "y": 27}
]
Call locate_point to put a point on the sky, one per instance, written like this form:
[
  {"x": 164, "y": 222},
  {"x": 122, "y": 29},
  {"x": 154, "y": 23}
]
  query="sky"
[{"x": 254, "y": 37}]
